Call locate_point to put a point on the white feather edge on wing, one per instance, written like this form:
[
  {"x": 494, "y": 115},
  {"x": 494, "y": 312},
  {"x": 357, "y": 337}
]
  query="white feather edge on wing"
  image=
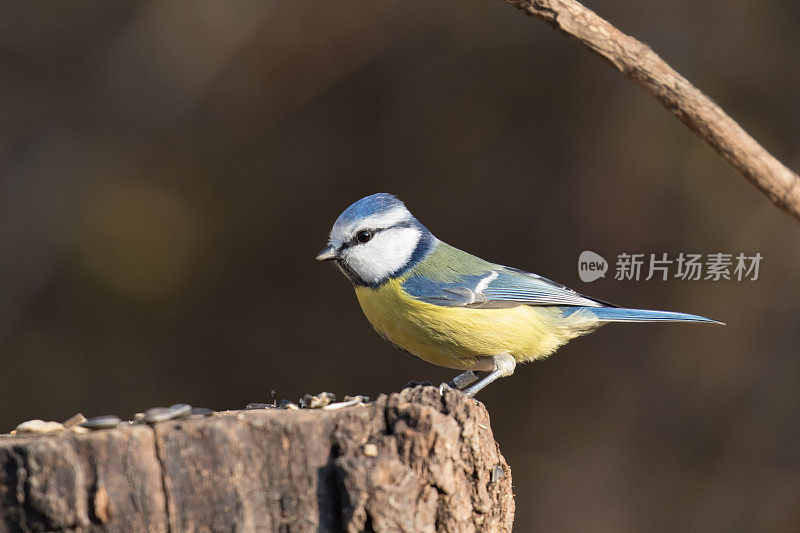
[{"x": 540, "y": 291}]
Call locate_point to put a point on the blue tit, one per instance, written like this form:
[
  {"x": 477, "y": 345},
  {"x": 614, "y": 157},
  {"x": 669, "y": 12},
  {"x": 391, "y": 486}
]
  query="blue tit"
[{"x": 453, "y": 309}]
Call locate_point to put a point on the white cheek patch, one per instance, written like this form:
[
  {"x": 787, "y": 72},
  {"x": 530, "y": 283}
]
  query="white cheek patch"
[{"x": 387, "y": 252}]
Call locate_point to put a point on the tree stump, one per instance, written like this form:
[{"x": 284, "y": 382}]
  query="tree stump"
[{"x": 413, "y": 461}]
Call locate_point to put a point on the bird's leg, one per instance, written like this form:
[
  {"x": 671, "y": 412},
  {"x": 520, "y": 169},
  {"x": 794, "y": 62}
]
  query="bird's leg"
[{"x": 503, "y": 365}]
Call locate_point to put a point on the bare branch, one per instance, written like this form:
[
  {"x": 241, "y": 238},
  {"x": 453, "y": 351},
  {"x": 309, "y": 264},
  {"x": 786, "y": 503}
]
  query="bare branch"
[{"x": 639, "y": 63}]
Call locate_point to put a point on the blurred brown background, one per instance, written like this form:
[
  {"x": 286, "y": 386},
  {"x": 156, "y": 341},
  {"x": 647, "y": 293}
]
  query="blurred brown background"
[{"x": 168, "y": 172}]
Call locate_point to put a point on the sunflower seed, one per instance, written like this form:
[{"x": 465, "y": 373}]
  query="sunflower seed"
[
  {"x": 180, "y": 410},
  {"x": 102, "y": 422},
  {"x": 158, "y": 414}
]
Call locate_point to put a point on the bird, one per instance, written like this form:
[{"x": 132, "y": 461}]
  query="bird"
[{"x": 453, "y": 309}]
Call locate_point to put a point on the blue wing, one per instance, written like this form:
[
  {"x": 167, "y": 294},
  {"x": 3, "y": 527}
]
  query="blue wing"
[
  {"x": 502, "y": 286},
  {"x": 498, "y": 286}
]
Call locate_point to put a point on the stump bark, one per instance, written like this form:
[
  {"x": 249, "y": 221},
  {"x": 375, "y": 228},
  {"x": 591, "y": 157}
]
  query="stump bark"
[{"x": 413, "y": 461}]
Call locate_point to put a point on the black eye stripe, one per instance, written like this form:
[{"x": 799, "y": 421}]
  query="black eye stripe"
[{"x": 354, "y": 240}]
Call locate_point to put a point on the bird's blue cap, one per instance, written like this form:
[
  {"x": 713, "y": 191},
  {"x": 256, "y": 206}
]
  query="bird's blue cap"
[{"x": 373, "y": 204}]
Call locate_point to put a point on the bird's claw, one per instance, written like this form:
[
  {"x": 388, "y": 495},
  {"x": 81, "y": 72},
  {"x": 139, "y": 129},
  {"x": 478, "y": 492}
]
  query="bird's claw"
[
  {"x": 444, "y": 387},
  {"x": 464, "y": 379}
]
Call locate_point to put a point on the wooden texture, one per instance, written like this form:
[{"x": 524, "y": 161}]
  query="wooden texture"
[
  {"x": 413, "y": 461},
  {"x": 639, "y": 63}
]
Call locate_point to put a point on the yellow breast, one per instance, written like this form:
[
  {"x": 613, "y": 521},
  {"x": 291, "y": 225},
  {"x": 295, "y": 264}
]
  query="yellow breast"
[{"x": 464, "y": 338}]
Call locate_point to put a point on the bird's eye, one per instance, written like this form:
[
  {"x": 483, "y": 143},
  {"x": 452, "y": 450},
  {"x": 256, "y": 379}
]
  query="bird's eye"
[{"x": 364, "y": 235}]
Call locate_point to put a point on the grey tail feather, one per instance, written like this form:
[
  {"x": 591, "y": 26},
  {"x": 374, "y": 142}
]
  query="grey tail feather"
[{"x": 619, "y": 314}]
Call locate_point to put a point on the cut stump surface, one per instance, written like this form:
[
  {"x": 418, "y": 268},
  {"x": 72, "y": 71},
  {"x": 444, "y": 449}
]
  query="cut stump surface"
[{"x": 412, "y": 461}]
